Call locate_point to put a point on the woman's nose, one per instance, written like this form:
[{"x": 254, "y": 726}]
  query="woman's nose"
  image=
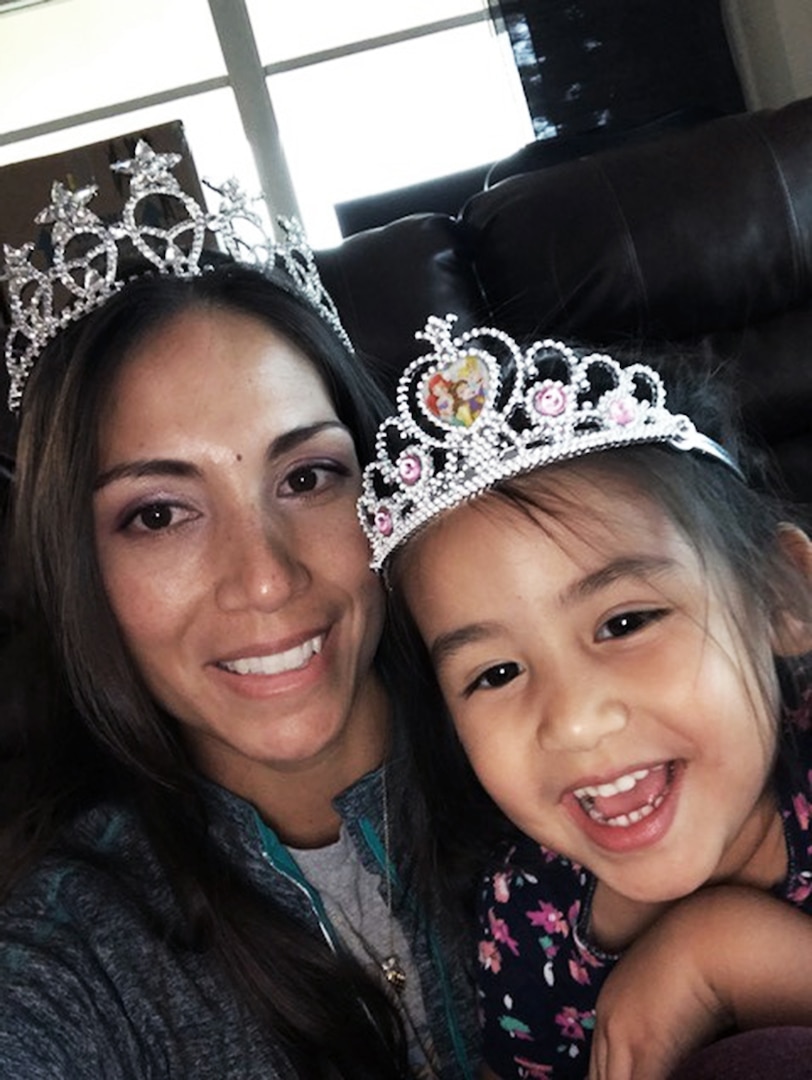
[
  {"x": 258, "y": 568},
  {"x": 580, "y": 715}
]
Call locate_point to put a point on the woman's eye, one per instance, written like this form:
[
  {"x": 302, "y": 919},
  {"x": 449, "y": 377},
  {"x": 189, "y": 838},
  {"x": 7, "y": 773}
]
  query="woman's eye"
[
  {"x": 628, "y": 622},
  {"x": 156, "y": 516},
  {"x": 496, "y": 676},
  {"x": 303, "y": 480},
  {"x": 307, "y": 479}
]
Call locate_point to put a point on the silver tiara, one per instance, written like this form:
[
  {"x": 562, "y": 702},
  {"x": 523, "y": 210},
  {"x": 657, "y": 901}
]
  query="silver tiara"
[
  {"x": 87, "y": 254},
  {"x": 478, "y": 409}
]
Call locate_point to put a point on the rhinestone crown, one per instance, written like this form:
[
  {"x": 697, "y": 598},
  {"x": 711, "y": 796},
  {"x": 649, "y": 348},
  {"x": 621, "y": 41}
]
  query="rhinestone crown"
[
  {"x": 87, "y": 254},
  {"x": 477, "y": 409}
]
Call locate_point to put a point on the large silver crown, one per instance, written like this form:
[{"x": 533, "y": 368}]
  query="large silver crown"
[
  {"x": 87, "y": 254},
  {"x": 478, "y": 409}
]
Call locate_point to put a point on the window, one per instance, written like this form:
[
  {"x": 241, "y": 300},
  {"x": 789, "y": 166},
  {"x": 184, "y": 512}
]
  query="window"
[
  {"x": 356, "y": 98},
  {"x": 396, "y": 115}
]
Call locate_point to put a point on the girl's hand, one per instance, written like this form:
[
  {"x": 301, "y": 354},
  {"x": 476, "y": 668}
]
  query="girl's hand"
[{"x": 726, "y": 957}]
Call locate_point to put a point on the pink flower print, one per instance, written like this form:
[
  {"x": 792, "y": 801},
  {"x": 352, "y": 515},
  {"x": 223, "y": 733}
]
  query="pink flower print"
[
  {"x": 501, "y": 887},
  {"x": 578, "y": 972},
  {"x": 801, "y": 892},
  {"x": 489, "y": 957},
  {"x": 570, "y": 1020},
  {"x": 533, "y": 1071},
  {"x": 383, "y": 521},
  {"x": 550, "y": 918},
  {"x": 549, "y": 855},
  {"x": 551, "y": 398},
  {"x": 802, "y": 809},
  {"x": 623, "y": 410},
  {"x": 802, "y": 716},
  {"x": 501, "y": 933},
  {"x": 410, "y": 469}
]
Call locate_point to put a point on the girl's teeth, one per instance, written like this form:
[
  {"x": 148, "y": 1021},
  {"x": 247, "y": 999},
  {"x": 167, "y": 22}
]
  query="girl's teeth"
[
  {"x": 277, "y": 663},
  {"x": 588, "y": 795},
  {"x": 616, "y": 787},
  {"x": 622, "y": 821}
]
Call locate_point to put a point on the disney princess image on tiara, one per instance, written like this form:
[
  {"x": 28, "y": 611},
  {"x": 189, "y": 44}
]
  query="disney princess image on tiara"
[
  {"x": 456, "y": 395},
  {"x": 439, "y": 398}
]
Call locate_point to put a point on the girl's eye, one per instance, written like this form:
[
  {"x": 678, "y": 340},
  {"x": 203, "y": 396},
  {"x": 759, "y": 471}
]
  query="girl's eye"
[
  {"x": 310, "y": 479},
  {"x": 628, "y": 622},
  {"x": 495, "y": 677}
]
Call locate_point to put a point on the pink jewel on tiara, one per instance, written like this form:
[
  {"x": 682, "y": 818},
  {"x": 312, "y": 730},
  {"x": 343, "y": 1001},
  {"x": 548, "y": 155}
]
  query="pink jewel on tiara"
[
  {"x": 623, "y": 410},
  {"x": 550, "y": 399},
  {"x": 383, "y": 521},
  {"x": 455, "y": 395},
  {"x": 410, "y": 468}
]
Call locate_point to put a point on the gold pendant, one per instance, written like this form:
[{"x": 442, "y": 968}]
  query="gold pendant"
[{"x": 394, "y": 973}]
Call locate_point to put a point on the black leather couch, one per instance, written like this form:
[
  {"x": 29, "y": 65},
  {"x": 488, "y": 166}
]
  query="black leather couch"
[{"x": 701, "y": 237}]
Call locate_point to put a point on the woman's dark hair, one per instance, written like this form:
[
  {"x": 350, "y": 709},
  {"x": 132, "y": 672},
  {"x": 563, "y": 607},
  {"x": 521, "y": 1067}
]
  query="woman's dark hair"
[
  {"x": 734, "y": 528},
  {"x": 80, "y": 723}
]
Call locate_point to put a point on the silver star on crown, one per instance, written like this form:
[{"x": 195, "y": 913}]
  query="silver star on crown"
[
  {"x": 87, "y": 253},
  {"x": 478, "y": 409}
]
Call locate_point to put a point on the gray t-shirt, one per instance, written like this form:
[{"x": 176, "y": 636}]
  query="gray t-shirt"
[{"x": 360, "y": 916}]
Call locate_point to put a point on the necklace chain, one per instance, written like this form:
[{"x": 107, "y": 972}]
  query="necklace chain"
[{"x": 391, "y": 966}]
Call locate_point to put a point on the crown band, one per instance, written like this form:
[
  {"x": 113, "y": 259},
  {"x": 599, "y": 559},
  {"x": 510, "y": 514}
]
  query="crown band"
[
  {"x": 87, "y": 255},
  {"x": 478, "y": 409}
]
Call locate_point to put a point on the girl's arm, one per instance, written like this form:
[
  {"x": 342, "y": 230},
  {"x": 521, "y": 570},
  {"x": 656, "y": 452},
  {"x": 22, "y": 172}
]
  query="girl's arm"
[{"x": 728, "y": 957}]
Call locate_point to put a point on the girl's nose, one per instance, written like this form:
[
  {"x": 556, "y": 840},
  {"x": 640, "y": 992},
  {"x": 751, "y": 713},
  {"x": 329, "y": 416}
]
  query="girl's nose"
[
  {"x": 579, "y": 716},
  {"x": 259, "y": 568}
]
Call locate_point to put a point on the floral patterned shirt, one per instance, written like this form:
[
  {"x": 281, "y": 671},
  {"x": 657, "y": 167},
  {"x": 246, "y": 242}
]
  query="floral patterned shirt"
[{"x": 539, "y": 975}]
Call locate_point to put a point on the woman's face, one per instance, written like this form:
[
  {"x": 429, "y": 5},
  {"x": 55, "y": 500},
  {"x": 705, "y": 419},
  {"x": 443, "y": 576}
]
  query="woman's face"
[
  {"x": 230, "y": 548},
  {"x": 599, "y": 686}
]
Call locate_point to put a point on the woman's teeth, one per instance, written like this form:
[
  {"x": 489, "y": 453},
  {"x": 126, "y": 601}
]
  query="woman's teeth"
[
  {"x": 594, "y": 798},
  {"x": 276, "y": 663}
]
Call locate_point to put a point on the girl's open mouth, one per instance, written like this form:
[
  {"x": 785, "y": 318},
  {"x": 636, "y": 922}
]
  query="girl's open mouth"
[{"x": 628, "y": 799}]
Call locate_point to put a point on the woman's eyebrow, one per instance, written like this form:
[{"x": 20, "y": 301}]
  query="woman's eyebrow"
[
  {"x": 133, "y": 470},
  {"x": 289, "y": 440},
  {"x": 282, "y": 444}
]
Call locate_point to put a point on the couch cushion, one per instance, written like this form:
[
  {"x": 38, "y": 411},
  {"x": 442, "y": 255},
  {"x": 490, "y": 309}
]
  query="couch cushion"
[
  {"x": 387, "y": 281},
  {"x": 709, "y": 228}
]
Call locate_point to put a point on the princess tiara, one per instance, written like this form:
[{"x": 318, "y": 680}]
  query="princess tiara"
[
  {"x": 87, "y": 254},
  {"x": 477, "y": 409}
]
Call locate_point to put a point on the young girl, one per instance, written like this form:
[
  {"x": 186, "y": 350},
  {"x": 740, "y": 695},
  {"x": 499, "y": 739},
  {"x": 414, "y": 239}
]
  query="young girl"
[{"x": 616, "y": 620}]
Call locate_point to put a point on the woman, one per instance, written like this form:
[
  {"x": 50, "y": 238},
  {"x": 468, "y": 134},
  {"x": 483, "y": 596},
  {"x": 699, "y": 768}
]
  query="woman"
[{"x": 202, "y": 872}]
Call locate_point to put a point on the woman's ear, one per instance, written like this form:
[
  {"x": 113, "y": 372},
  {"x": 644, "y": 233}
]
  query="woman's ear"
[{"x": 792, "y": 629}]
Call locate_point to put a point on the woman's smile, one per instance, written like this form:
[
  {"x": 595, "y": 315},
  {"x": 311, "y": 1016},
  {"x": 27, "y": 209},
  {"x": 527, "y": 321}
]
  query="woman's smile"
[{"x": 258, "y": 661}]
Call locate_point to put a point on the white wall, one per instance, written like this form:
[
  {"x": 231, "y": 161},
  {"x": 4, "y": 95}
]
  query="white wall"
[{"x": 772, "y": 44}]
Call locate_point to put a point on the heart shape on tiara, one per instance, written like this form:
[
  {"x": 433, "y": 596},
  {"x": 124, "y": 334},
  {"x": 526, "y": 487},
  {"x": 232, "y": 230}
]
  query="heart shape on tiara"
[{"x": 455, "y": 394}]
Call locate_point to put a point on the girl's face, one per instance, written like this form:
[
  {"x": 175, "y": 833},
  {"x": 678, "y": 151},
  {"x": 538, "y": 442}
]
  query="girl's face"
[
  {"x": 230, "y": 547},
  {"x": 599, "y": 687}
]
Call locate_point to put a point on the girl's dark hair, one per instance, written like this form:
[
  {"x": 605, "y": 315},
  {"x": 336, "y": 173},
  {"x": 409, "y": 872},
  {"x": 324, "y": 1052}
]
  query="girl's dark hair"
[
  {"x": 733, "y": 527},
  {"x": 79, "y": 724}
]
